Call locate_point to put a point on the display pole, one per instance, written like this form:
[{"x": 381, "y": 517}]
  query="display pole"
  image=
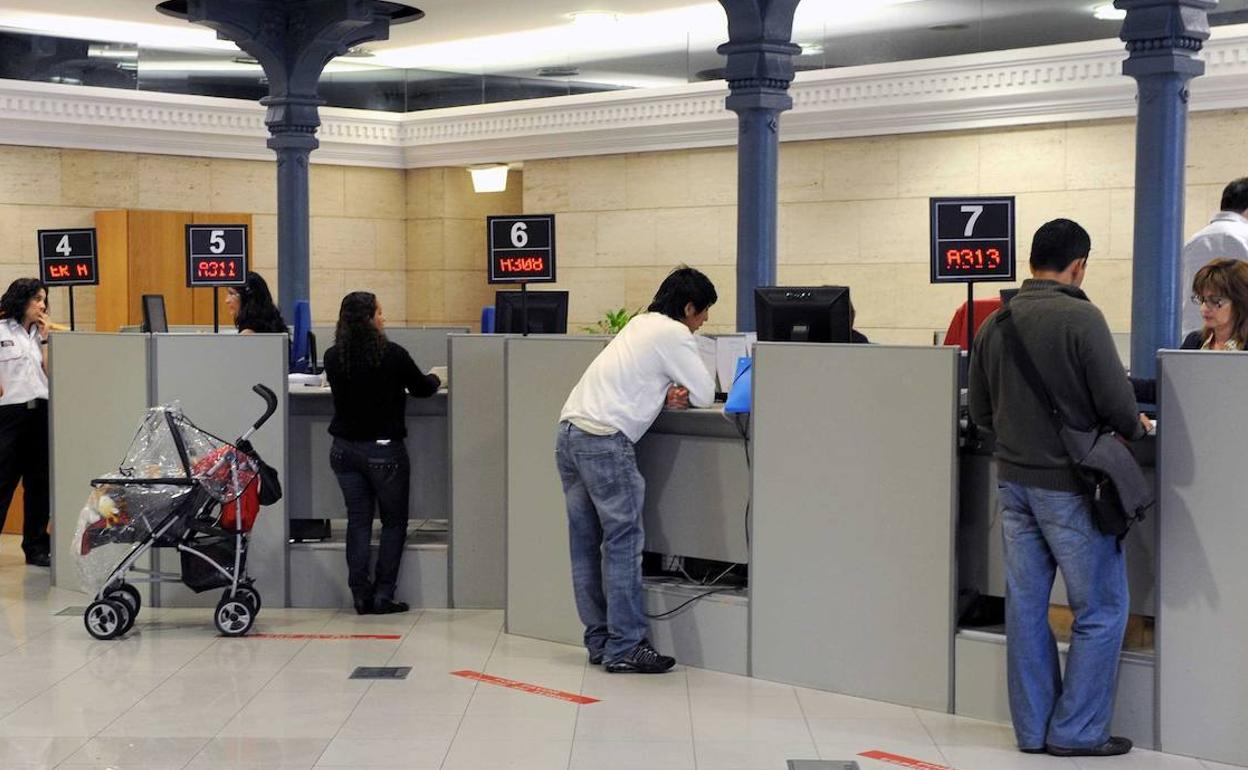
[
  {"x": 216, "y": 313},
  {"x": 970, "y": 317},
  {"x": 524, "y": 308},
  {"x": 71, "y": 308}
]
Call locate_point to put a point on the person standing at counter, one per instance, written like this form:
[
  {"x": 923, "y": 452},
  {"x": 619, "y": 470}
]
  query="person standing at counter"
[
  {"x": 652, "y": 361},
  {"x": 1225, "y": 237},
  {"x": 253, "y": 308},
  {"x": 24, "y": 411},
  {"x": 1046, "y": 511},
  {"x": 371, "y": 378}
]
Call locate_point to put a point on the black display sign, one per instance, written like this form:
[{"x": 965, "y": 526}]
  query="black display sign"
[
  {"x": 216, "y": 255},
  {"x": 521, "y": 249},
  {"x": 973, "y": 239},
  {"x": 68, "y": 257}
]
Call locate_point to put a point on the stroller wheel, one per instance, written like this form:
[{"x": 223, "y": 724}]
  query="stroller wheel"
[
  {"x": 124, "y": 592},
  {"x": 106, "y": 618},
  {"x": 234, "y": 617},
  {"x": 249, "y": 594}
]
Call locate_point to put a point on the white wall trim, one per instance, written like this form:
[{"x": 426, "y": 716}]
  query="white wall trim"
[{"x": 1078, "y": 81}]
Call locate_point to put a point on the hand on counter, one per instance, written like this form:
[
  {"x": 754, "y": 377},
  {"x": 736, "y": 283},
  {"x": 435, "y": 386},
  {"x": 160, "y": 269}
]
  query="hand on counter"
[
  {"x": 1149, "y": 427},
  {"x": 441, "y": 373},
  {"x": 677, "y": 397}
]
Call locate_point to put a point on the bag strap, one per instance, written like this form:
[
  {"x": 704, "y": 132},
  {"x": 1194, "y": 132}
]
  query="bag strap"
[{"x": 1018, "y": 351}]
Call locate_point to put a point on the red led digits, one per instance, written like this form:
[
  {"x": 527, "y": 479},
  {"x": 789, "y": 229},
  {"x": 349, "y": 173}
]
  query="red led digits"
[
  {"x": 521, "y": 264},
  {"x": 972, "y": 259}
]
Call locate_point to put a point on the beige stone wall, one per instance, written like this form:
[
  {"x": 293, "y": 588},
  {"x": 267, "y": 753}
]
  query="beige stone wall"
[
  {"x": 358, "y": 215},
  {"x": 855, "y": 212},
  {"x": 446, "y": 252}
]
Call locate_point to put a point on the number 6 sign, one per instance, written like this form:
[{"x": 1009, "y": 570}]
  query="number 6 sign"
[{"x": 521, "y": 248}]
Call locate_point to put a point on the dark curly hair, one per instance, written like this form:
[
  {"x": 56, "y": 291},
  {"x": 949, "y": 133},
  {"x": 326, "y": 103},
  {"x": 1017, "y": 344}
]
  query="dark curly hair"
[
  {"x": 256, "y": 310},
  {"x": 18, "y": 296},
  {"x": 360, "y": 344}
]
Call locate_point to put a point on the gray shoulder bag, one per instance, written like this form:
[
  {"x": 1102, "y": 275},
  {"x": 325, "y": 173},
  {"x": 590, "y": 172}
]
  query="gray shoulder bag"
[{"x": 1120, "y": 494}]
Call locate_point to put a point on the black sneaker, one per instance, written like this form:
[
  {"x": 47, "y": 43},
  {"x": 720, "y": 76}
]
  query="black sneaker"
[
  {"x": 1110, "y": 748},
  {"x": 388, "y": 606},
  {"x": 595, "y": 659},
  {"x": 642, "y": 659},
  {"x": 41, "y": 559}
]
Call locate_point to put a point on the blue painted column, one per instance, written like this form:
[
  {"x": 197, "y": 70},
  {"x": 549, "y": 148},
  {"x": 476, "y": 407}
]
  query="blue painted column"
[
  {"x": 760, "y": 67},
  {"x": 293, "y": 40},
  {"x": 1163, "y": 38}
]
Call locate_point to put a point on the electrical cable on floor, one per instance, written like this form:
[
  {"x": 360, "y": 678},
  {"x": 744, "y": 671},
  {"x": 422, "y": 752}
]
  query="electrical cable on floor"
[{"x": 680, "y": 608}]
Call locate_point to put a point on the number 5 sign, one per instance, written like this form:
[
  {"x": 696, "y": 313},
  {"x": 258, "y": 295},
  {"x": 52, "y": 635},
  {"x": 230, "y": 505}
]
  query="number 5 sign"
[
  {"x": 216, "y": 255},
  {"x": 521, "y": 249},
  {"x": 972, "y": 239}
]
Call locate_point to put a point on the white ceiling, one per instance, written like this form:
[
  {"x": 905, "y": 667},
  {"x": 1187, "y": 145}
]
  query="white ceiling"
[{"x": 652, "y": 42}]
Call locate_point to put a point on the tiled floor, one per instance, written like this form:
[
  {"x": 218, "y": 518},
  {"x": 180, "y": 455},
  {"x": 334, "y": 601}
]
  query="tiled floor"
[{"x": 174, "y": 695}]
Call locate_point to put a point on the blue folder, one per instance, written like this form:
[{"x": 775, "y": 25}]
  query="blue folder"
[{"x": 739, "y": 394}]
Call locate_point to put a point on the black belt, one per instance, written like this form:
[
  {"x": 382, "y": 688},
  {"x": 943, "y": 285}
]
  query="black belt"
[{"x": 29, "y": 405}]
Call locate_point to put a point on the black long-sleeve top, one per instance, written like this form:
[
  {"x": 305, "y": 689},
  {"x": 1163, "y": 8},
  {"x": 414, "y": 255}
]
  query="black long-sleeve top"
[{"x": 370, "y": 404}]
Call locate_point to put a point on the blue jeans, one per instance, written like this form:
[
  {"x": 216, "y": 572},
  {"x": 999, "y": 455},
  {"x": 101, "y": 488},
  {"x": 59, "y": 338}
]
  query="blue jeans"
[
  {"x": 373, "y": 477},
  {"x": 604, "y": 493},
  {"x": 1044, "y": 530}
]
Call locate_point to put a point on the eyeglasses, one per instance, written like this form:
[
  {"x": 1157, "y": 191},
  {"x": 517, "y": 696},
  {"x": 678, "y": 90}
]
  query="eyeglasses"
[{"x": 1212, "y": 301}]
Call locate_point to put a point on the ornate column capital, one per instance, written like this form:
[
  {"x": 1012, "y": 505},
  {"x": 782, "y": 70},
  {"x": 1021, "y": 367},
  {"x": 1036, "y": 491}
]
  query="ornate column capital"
[
  {"x": 759, "y": 53},
  {"x": 1164, "y": 36}
]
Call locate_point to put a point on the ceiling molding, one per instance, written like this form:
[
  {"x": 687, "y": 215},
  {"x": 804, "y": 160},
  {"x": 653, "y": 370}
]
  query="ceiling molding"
[{"x": 1078, "y": 81}]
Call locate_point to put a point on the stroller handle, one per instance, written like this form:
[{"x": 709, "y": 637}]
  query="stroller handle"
[{"x": 270, "y": 405}]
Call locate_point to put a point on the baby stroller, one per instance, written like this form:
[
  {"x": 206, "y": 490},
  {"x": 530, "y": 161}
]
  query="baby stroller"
[{"x": 180, "y": 488}]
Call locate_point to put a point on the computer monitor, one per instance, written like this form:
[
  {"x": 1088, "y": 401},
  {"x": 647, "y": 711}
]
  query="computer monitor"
[
  {"x": 548, "y": 312},
  {"x": 802, "y": 313},
  {"x": 154, "y": 318}
]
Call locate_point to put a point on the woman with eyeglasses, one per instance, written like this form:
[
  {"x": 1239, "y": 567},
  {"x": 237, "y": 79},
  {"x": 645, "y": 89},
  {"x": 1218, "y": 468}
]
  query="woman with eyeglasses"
[{"x": 1220, "y": 292}]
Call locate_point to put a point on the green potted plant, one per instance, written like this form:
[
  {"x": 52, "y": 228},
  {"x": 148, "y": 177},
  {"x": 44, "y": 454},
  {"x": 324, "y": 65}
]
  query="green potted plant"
[{"x": 612, "y": 322}]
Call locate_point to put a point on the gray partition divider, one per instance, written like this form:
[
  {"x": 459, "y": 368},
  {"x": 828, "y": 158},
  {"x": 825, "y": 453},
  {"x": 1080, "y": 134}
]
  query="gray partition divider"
[
  {"x": 540, "y": 373},
  {"x": 478, "y": 468},
  {"x": 1202, "y": 684},
  {"x": 99, "y": 393},
  {"x": 854, "y": 501},
  {"x": 212, "y": 376},
  {"x": 427, "y": 344}
]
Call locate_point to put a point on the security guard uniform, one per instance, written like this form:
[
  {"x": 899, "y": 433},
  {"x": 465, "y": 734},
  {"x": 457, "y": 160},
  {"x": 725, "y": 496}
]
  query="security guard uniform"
[{"x": 24, "y": 432}]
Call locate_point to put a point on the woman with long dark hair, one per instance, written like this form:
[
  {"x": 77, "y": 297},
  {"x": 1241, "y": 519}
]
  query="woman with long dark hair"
[
  {"x": 371, "y": 378},
  {"x": 24, "y": 327},
  {"x": 253, "y": 307}
]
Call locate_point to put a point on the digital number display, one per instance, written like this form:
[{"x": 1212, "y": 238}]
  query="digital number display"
[
  {"x": 521, "y": 249},
  {"x": 216, "y": 255},
  {"x": 972, "y": 239},
  {"x": 228, "y": 269},
  {"x": 68, "y": 257}
]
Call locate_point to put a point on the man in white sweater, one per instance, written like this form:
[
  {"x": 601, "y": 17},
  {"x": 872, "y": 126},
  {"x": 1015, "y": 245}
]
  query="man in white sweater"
[{"x": 652, "y": 361}]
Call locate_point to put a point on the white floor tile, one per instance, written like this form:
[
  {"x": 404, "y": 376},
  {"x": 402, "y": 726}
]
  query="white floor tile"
[
  {"x": 478, "y": 727},
  {"x": 508, "y": 755},
  {"x": 1211, "y": 765},
  {"x": 1139, "y": 759},
  {"x": 949, "y": 730},
  {"x": 640, "y": 727},
  {"x": 1000, "y": 758},
  {"x": 37, "y": 751},
  {"x": 125, "y": 752},
  {"x": 751, "y": 755},
  {"x": 632, "y": 755},
  {"x": 853, "y": 752},
  {"x": 391, "y": 722},
  {"x": 414, "y": 753},
  {"x": 869, "y": 733},
  {"x": 277, "y": 753},
  {"x": 761, "y": 729},
  {"x": 816, "y": 703}
]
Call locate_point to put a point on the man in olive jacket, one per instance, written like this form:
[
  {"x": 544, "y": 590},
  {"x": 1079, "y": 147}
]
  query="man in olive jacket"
[{"x": 1046, "y": 515}]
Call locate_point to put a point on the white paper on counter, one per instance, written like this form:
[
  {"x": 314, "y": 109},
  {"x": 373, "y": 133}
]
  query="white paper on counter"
[
  {"x": 706, "y": 351},
  {"x": 728, "y": 348}
]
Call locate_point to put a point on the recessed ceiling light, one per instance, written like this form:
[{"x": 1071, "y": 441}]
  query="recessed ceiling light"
[
  {"x": 811, "y": 49},
  {"x": 1107, "y": 12},
  {"x": 593, "y": 18}
]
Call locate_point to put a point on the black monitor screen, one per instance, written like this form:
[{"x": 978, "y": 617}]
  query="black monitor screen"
[
  {"x": 154, "y": 319},
  {"x": 802, "y": 313},
  {"x": 548, "y": 312}
]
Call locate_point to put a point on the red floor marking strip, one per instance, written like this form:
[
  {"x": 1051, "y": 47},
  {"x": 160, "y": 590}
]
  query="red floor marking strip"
[
  {"x": 529, "y": 688},
  {"x": 384, "y": 637},
  {"x": 900, "y": 761}
]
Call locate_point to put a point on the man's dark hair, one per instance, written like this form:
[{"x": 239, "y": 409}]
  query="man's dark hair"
[
  {"x": 1058, "y": 243},
  {"x": 682, "y": 286},
  {"x": 18, "y": 296},
  {"x": 1235, "y": 196}
]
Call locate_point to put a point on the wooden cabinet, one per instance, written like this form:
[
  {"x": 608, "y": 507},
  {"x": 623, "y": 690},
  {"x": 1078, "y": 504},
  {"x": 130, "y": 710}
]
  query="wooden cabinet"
[{"x": 144, "y": 252}]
